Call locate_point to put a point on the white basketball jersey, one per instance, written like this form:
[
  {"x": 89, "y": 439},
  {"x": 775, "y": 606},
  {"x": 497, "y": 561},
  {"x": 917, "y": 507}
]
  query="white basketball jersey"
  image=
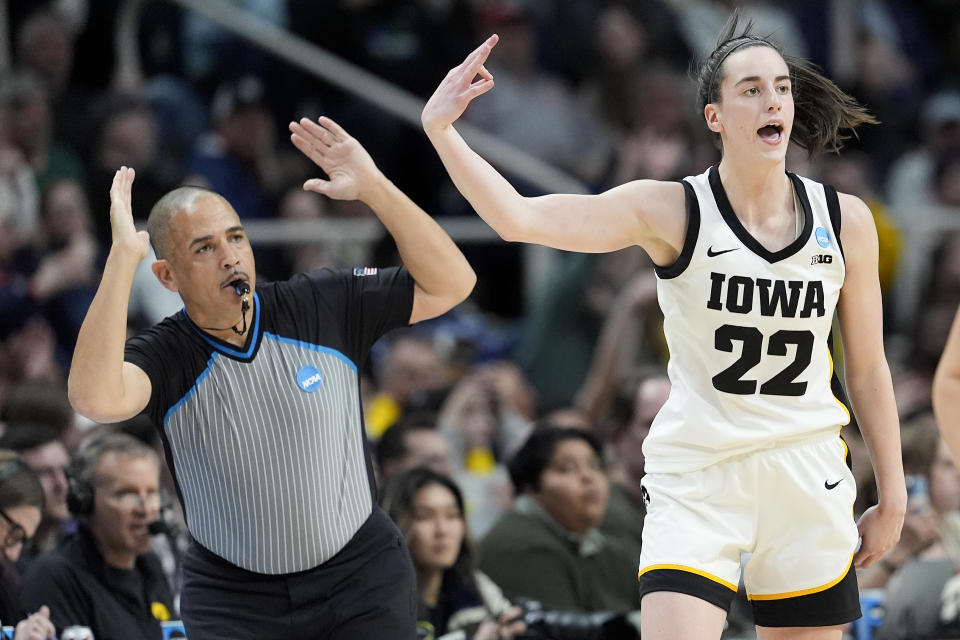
[{"x": 748, "y": 331}]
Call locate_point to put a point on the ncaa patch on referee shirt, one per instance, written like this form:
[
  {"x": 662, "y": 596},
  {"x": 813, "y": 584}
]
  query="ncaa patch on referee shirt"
[
  {"x": 309, "y": 378},
  {"x": 365, "y": 271}
]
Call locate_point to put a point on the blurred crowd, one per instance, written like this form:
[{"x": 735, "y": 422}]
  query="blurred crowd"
[{"x": 529, "y": 410}]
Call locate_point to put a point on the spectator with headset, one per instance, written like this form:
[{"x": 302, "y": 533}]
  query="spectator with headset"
[
  {"x": 21, "y": 507},
  {"x": 104, "y": 577}
]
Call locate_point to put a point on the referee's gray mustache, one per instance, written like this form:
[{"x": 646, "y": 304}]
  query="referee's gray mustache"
[{"x": 234, "y": 275}]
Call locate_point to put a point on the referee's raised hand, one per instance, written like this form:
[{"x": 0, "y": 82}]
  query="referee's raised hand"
[
  {"x": 351, "y": 170},
  {"x": 124, "y": 233}
]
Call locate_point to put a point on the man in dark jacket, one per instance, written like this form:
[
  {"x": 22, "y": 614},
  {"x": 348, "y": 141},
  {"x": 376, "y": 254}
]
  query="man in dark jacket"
[{"x": 104, "y": 577}]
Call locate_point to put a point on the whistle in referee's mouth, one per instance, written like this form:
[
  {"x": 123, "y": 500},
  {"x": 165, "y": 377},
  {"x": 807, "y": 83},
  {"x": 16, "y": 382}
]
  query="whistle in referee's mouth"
[{"x": 240, "y": 287}]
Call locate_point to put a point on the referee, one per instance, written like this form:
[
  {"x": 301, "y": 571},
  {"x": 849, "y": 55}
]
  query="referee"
[{"x": 255, "y": 392}]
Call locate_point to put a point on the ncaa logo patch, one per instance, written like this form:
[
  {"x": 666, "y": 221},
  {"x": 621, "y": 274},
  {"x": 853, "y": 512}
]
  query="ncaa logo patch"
[
  {"x": 309, "y": 378},
  {"x": 823, "y": 238}
]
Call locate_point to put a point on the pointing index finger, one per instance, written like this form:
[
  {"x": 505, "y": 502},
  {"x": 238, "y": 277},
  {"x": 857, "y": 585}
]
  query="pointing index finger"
[{"x": 479, "y": 55}]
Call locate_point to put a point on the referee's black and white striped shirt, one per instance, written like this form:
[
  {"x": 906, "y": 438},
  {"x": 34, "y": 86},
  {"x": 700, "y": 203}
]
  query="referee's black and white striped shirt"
[{"x": 266, "y": 442}]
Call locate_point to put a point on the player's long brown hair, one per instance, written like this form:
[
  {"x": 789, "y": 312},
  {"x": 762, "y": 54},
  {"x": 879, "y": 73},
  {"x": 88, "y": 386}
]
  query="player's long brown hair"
[{"x": 824, "y": 115}]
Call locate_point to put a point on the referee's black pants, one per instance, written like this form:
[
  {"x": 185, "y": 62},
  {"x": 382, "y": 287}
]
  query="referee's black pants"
[{"x": 367, "y": 591}]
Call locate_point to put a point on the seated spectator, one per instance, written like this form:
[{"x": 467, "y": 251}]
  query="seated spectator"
[
  {"x": 53, "y": 275},
  {"x": 41, "y": 447},
  {"x": 631, "y": 337},
  {"x": 926, "y": 231},
  {"x": 487, "y": 414},
  {"x": 104, "y": 577},
  {"x": 413, "y": 442},
  {"x": 37, "y": 401},
  {"x": 428, "y": 508},
  {"x": 19, "y": 198},
  {"x": 566, "y": 316},
  {"x": 549, "y": 548},
  {"x": 28, "y": 354},
  {"x": 45, "y": 47},
  {"x": 21, "y": 503},
  {"x": 911, "y": 181},
  {"x": 915, "y": 571},
  {"x": 633, "y": 413},
  {"x": 62, "y": 265},
  {"x": 123, "y": 132},
  {"x": 485, "y": 420},
  {"x": 171, "y": 539},
  {"x": 239, "y": 158},
  {"x": 456, "y": 600},
  {"x": 412, "y": 371},
  {"x": 302, "y": 209},
  {"x": 31, "y": 130},
  {"x": 939, "y": 295}
]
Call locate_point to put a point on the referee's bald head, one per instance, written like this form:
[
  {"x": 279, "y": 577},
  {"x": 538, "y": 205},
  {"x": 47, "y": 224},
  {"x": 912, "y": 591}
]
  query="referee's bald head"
[{"x": 158, "y": 223}]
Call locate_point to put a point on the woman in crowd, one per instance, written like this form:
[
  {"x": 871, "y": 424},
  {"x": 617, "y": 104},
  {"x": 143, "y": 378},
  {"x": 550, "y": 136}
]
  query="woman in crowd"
[
  {"x": 914, "y": 572},
  {"x": 21, "y": 506},
  {"x": 455, "y": 601},
  {"x": 458, "y": 602}
]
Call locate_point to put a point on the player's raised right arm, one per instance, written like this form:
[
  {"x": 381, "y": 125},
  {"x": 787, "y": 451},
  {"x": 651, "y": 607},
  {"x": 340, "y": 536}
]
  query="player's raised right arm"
[
  {"x": 643, "y": 212},
  {"x": 101, "y": 385}
]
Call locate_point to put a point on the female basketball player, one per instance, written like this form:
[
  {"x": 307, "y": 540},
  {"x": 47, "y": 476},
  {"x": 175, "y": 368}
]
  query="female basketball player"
[{"x": 752, "y": 261}]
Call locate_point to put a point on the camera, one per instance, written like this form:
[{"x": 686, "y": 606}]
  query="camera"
[{"x": 573, "y": 625}]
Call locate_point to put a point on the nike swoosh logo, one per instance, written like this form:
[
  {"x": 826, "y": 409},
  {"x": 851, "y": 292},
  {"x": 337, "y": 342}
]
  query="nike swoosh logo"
[
  {"x": 828, "y": 486},
  {"x": 713, "y": 254}
]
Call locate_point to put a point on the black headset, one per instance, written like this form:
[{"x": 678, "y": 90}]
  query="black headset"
[{"x": 80, "y": 493}]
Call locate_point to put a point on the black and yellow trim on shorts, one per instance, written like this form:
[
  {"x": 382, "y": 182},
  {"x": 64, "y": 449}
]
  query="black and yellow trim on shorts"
[
  {"x": 688, "y": 580},
  {"x": 834, "y": 603}
]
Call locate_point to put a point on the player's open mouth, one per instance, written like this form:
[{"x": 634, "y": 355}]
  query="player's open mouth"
[{"x": 771, "y": 133}]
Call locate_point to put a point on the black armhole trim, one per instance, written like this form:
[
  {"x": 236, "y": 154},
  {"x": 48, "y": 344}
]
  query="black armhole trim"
[
  {"x": 836, "y": 385},
  {"x": 833, "y": 207},
  {"x": 690, "y": 240}
]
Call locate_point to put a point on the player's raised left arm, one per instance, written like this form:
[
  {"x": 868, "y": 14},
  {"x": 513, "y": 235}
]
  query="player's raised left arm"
[
  {"x": 442, "y": 274},
  {"x": 868, "y": 379}
]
